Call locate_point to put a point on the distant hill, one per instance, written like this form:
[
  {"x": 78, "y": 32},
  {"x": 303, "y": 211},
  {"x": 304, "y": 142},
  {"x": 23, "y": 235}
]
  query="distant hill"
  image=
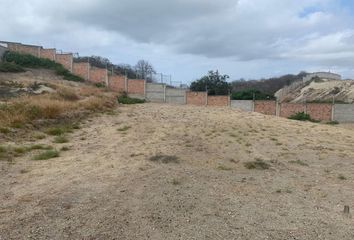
[{"x": 268, "y": 86}]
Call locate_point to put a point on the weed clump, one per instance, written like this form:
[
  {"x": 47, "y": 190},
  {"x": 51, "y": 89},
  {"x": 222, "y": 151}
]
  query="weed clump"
[
  {"x": 46, "y": 155},
  {"x": 10, "y": 67},
  {"x": 258, "y": 164},
  {"x": 164, "y": 159},
  {"x": 124, "y": 99},
  {"x": 61, "y": 139}
]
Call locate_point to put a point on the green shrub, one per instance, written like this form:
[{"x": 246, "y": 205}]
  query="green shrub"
[
  {"x": 127, "y": 100},
  {"x": 100, "y": 85},
  {"x": 27, "y": 60},
  {"x": 301, "y": 116},
  {"x": 10, "y": 67},
  {"x": 61, "y": 139},
  {"x": 333, "y": 122},
  {"x": 258, "y": 164},
  {"x": 46, "y": 155}
]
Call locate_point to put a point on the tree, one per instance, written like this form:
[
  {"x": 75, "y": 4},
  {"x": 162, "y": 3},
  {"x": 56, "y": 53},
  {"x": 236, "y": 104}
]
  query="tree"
[
  {"x": 214, "y": 82},
  {"x": 144, "y": 70}
]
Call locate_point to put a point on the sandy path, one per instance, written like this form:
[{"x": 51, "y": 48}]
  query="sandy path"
[{"x": 106, "y": 187}]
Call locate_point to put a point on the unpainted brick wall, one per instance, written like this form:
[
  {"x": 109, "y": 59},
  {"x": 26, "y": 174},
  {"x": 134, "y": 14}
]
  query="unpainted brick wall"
[
  {"x": 12, "y": 46},
  {"x": 48, "y": 53},
  {"x": 196, "y": 98},
  {"x": 136, "y": 86},
  {"x": 218, "y": 101},
  {"x": 319, "y": 111},
  {"x": 289, "y": 109},
  {"x": 98, "y": 75},
  {"x": 65, "y": 59},
  {"x": 81, "y": 69},
  {"x": 265, "y": 107},
  {"x": 116, "y": 83},
  {"x": 28, "y": 49}
]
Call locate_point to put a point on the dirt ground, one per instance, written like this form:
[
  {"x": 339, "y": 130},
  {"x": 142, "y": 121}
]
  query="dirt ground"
[{"x": 156, "y": 171}]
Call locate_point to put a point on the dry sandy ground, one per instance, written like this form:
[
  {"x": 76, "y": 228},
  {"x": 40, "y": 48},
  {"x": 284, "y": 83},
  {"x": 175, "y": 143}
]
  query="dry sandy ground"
[{"x": 107, "y": 187}]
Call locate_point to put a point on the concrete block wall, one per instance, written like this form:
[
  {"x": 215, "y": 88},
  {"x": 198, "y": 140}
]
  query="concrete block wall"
[
  {"x": 343, "y": 113},
  {"x": 48, "y": 53},
  {"x": 288, "y": 109},
  {"x": 244, "y": 105},
  {"x": 155, "y": 92},
  {"x": 265, "y": 107},
  {"x": 196, "y": 98},
  {"x": 25, "y": 49},
  {"x": 98, "y": 75},
  {"x": 66, "y": 59},
  {"x": 82, "y": 69},
  {"x": 220, "y": 101},
  {"x": 175, "y": 95}
]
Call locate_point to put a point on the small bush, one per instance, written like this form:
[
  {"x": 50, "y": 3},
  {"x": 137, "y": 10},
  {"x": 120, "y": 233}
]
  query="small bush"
[
  {"x": 224, "y": 168},
  {"x": 164, "y": 159},
  {"x": 10, "y": 67},
  {"x": 301, "y": 116},
  {"x": 123, "y": 129},
  {"x": 55, "y": 131},
  {"x": 4, "y": 130},
  {"x": 64, "y": 149},
  {"x": 342, "y": 177},
  {"x": 299, "y": 162},
  {"x": 258, "y": 164},
  {"x": 61, "y": 139},
  {"x": 68, "y": 94},
  {"x": 46, "y": 155},
  {"x": 127, "y": 100},
  {"x": 100, "y": 85},
  {"x": 41, "y": 147},
  {"x": 333, "y": 122}
]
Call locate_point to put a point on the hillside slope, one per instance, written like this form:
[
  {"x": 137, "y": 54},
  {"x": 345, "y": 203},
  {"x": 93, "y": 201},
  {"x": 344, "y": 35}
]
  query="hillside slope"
[{"x": 319, "y": 90}]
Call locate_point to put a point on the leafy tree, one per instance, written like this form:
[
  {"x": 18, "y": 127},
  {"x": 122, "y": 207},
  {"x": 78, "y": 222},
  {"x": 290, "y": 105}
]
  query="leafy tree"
[
  {"x": 248, "y": 94},
  {"x": 144, "y": 70},
  {"x": 268, "y": 86},
  {"x": 214, "y": 82}
]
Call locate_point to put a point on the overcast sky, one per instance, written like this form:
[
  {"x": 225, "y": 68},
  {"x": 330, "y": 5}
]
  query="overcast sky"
[{"x": 186, "y": 38}]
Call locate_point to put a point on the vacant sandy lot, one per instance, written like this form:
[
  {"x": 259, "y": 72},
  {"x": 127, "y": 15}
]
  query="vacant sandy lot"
[{"x": 178, "y": 172}]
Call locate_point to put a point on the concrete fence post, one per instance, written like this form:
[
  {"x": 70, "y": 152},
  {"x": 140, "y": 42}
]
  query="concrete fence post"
[
  {"x": 277, "y": 108},
  {"x": 253, "y": 105},
  {"x": 206, "y": 98},
  {"x": 164, "y": 93},
  {"x": 106, "y": 78},
  {"x": 126, "y": 84},
  {"x": 145, "y": 89}
]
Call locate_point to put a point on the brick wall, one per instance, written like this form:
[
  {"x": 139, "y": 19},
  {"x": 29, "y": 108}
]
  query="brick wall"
[
  {"x": 65, "y": 59},
  {"x": 319, "y": 111},
  {"x": 265, "y": 107},
  {"x": 116, "y": 83},
  {"x": 98, "y": 75},
  {"x": 12, "y": 46},
  {"x": 288, "y": 109},
  {"x": 81, "y": 69},
  {"x": 196, "y": 98},
  {"x": 136, "y": 86},
  {"x": 218, "y": 101},
  {"x": 48, "y": 53},
  {"x": 28, "y": 49}
]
